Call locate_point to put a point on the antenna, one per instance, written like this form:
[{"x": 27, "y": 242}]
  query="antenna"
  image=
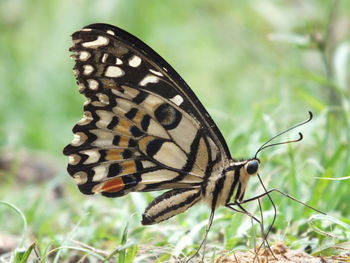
[{"x": 266, "y": 144}]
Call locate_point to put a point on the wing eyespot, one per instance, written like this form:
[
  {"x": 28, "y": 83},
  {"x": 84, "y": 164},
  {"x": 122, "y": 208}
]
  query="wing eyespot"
[{"x": 168, "y": 116}]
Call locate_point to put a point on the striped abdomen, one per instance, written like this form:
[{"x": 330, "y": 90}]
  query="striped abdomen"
[
  {"x": 169, "y": 204},
  {"x": 231, "y": 183}
]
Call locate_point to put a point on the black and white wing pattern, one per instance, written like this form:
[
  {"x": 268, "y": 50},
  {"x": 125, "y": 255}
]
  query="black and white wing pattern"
[{"x": 143, "y": 128}]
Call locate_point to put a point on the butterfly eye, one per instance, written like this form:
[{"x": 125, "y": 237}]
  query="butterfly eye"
[{"x": 252, "y": 167}]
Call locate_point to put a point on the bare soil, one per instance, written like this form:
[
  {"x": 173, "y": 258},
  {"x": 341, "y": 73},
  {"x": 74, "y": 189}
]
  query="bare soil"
[{"x": 281, "y": 254}]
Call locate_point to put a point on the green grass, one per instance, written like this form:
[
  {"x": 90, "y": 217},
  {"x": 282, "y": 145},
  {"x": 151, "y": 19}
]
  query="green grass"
[{"x": 258, "y": 67}]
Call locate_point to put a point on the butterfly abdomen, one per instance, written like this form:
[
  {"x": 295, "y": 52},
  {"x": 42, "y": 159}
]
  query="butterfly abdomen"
[
  {"x": 169, "y": 204},
  {"x": 220, "y": 189}
]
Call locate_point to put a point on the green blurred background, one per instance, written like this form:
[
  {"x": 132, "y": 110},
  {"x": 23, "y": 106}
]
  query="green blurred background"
[{"x": 258, "y": 66}]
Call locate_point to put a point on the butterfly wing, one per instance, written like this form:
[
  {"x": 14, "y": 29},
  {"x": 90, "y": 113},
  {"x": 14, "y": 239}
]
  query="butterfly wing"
[{"x": 143, "y": 128}]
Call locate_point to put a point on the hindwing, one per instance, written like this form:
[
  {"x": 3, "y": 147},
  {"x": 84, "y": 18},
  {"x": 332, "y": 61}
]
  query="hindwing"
[{"x": 143, "y": 128}]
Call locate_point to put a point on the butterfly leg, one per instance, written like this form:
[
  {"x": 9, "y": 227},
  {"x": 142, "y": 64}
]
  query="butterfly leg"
[
  {"x": 267, "y": 194},
  {"x": 261, "y": 223},
  {"x": 282, "y": 193},
  {"x": 245, "y": 212},
  {"x": 210, "y": 222},
  {"x": 242, "y": 211}
]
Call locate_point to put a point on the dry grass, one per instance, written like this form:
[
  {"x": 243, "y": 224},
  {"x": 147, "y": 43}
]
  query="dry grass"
[{"x": 281, "y": 254}]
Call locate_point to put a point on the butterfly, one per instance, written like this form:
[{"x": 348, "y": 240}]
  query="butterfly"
[{"x": 143, "y": 129}]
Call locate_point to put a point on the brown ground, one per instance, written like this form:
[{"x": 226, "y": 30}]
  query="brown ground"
[{"x": 282, "y": 254}]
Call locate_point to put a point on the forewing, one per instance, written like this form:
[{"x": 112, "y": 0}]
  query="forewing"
[{"x": 143, "y": 129}]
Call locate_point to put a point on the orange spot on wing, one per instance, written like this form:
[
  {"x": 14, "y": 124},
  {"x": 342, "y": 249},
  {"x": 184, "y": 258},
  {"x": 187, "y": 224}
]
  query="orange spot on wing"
[
  {"x": 114, "y": 154},
  {"x": 124, "y": 142},
  {"x": 144, "y": 141},
  {"x": 113, "y": 185},
  {"x": 129, "y": 167},
  {"x": 123, "y": 127},
  {"x": 138, "y": 118}
]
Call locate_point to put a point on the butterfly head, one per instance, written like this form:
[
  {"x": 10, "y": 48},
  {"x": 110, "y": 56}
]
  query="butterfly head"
[
  {"x": 251, "y": 167},
  {"x": 246, "y": 168}
]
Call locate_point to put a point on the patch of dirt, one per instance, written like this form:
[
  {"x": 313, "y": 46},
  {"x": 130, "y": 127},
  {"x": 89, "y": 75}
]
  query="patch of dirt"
[
  {"x": 282, "y": 255},
  {"x": 28, "y": 167},
  {"x": 8, "y": 243}
]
